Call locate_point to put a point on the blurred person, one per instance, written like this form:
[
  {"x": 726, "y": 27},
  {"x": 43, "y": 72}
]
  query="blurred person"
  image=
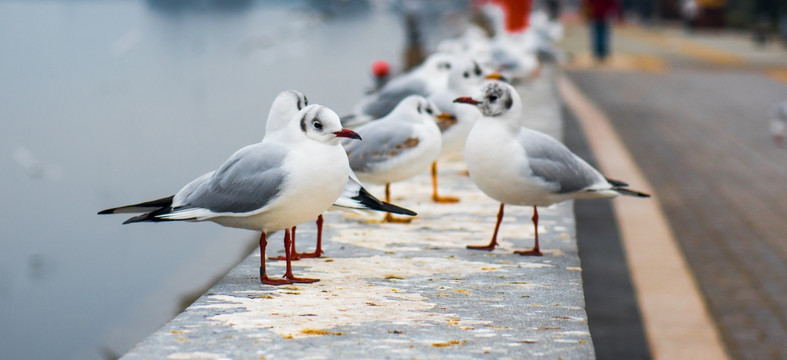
[
  {"x": 552, "y": 9},
  {"x": 783, "y": 29},
  {"x": 689, "y": 11},
  {"x": 599, "y": 14},
  {"x": 778, "y": 123},
  {"x": 414, "y": 53}
]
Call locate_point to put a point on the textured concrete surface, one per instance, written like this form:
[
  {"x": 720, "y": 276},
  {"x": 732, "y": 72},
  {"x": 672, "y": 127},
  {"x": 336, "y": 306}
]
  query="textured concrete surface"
[{"x": 405, "y": 290}]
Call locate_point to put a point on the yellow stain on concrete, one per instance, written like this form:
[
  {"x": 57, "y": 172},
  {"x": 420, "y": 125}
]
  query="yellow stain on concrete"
[{"x": 355, "y": 302}]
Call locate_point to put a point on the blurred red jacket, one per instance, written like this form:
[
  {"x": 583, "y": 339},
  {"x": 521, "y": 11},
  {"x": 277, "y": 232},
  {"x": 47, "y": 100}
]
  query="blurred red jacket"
[{"x": 599, "y": 9}]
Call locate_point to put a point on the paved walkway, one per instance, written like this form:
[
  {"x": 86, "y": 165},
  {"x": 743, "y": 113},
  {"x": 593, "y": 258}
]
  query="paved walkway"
[{"x": 693, "y": 112}]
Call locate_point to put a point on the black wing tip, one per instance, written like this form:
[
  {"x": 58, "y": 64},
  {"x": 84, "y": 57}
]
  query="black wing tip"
[
  {"x": 151, "y": 216},
  {"x": 632, "y": 193},
  {"x": 161, "y": 203},
  {"x": 621, "y": 186},
  {"x": 391, "y": 208},
  {"x": 371, "y": 202},
  {"x": 617, "y": 183}
]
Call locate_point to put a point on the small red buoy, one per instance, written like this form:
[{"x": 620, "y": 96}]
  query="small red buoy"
[{"x": 380, "y": 68}]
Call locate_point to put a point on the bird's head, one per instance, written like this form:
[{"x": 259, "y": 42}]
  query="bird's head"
[
  {"x": 321, "y": 124},
  {"x": 284, "y": 107},
  {"x": 497, "y": 98}
]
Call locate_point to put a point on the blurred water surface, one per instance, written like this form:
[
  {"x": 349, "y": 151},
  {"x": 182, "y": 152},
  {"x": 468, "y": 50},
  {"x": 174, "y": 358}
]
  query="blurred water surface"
[{"x": 108, "y": 103}]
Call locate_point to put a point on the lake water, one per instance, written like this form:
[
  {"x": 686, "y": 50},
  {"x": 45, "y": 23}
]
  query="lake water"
[{"x": 108, "y": 103}]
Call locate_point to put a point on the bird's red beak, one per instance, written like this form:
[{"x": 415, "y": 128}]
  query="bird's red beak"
[
  {"x": 347, "y": 133},
  {"x": 466, "y": 100}
]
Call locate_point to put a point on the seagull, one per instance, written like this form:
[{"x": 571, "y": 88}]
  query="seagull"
[
  {"x": 354, "y": 197},
  {"x": 398, "y": 146},
  {"x": 269, "y": 186},
  {"x": 465, "y": 77},
  {"x": 425, "y": 79},
  {"x": 778, "y": 123},
  {"x": 516, "y": 165}
]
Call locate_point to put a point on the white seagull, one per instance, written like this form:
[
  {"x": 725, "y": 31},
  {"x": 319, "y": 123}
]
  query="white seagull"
[
  {"x": 516, "y": 165},
  {"x": 354, "y": 196},
  {"x": 398, "y": 146},
  {"x": 466, "y": 76},
  {"x": 427, "y": 78},
  {"x": 269, "y": 186},
  {"x": 778, "y": 123}
]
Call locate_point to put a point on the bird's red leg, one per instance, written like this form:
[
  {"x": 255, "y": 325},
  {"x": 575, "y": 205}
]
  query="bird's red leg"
[
  {"x": 295, "y": 255},
  {"x": 318, "y": 251},
  {"x": 288, "y": 253},
  {"x": 493, "y": 243},
  {"x": 435, "y": 197},
  {"x": 263, "y": 276},
  {"x": 388, "y": 217},
  {"x": 535, "y": 251}
]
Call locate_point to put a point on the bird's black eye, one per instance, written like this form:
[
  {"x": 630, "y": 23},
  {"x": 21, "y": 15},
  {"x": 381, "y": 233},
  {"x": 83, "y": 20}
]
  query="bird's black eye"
[
  {"x": 317, "y": 125},
  {"x": 477, "y": 71},
  {"x": 429, "y": 110},
  {"x": 492, "y": 98},
  {"x": 466, "y": 74}
]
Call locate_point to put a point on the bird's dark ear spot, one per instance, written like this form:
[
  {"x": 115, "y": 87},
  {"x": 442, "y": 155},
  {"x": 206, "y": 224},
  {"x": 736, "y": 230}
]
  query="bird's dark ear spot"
[
  {"x": 419, "y": 108},
  {"x": 303, "y": 122},
  {"x": 305, "y": 101},
  {"x": 509, "y": 102}
]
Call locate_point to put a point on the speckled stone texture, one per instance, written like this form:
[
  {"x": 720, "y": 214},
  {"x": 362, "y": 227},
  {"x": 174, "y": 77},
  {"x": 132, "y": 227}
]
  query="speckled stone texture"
[{"x": 404, "y": 291}]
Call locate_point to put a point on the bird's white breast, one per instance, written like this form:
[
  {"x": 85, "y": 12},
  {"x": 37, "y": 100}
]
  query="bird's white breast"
[{"x": 499, "y": 166}]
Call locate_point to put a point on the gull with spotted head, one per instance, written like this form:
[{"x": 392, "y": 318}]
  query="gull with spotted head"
[
  {"x": 516, "y": 165},
  {"x": 398, "y": 146},
  {"x": 455, "y": 123},
  {"x": 273, "y": 185}
]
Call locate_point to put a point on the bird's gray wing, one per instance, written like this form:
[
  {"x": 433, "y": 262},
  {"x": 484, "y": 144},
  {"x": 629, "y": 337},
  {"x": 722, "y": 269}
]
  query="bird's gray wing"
[
  {"x": 246, "y": 182},
  {"x": 382, "y": 141},
  {"x": 553, "y": 162},
  {"x": 390, "y": 96}
]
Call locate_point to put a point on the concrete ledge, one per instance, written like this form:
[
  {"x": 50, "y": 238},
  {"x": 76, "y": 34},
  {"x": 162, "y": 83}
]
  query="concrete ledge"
[{"x": 404, "y": 291}]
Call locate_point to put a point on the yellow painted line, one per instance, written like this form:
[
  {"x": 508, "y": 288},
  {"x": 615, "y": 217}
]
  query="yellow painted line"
[
  {"x": 685, "y": 47},
  {"x": 777, "y": 74},
  {"x": 620, "y": 62},
  {"x": 677, "y": 323}
]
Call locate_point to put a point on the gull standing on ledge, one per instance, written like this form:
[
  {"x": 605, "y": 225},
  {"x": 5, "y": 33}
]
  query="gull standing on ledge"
[
  {"x": 427, "y": 78},
  {"x": 516, "y": 165},
  {"x": 354, "y": 196},
  {"x": 465, "y": 77},
  {"x": 269, "y": 186},
  {"x": 397, "y": 147}
]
